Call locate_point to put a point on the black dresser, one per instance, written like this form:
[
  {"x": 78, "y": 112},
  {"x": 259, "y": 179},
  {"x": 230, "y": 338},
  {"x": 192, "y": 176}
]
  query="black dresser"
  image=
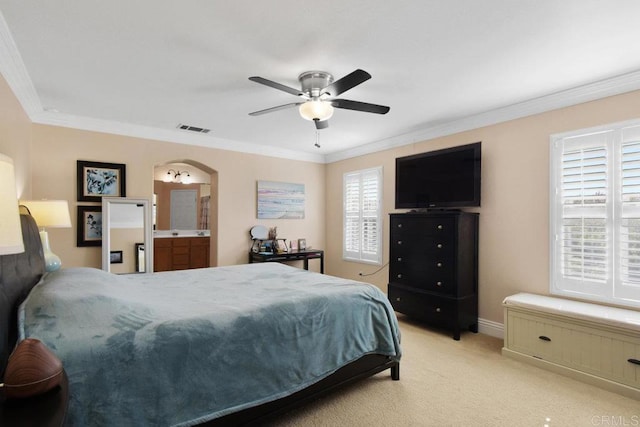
[{"x": 433, "y": 268}]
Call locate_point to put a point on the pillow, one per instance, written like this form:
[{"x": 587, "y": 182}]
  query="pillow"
[{"x": 32, "y": 369}]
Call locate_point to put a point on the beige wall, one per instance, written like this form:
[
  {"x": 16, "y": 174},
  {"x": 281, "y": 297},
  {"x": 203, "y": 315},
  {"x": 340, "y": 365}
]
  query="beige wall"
[
  {"x": 125, "y": 239},
  {"x": 45, "y": 161},
  {"x": 56, "y": 149},
  {"x": 15, "y": 138},
  {"x": 514, "y": 243}
]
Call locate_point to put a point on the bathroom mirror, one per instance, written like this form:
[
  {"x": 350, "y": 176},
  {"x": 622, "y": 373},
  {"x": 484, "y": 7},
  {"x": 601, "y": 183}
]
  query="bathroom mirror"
[
  {"x": 181, "y": 206},
  {"x": 127, "y": 240}
]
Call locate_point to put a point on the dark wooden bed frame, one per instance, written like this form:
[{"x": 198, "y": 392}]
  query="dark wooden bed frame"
[{"x": 20, "y": 272}]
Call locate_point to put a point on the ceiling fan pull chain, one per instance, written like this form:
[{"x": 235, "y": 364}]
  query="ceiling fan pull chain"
[{"x": 317, "y": 138}]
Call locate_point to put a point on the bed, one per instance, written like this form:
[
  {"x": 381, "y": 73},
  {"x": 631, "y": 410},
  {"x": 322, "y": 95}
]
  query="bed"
[{"x": 217, "y": 346}]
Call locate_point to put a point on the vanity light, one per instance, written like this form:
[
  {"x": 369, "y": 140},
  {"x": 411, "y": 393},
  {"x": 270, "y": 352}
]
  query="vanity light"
[{"x": 178, "y": 176}]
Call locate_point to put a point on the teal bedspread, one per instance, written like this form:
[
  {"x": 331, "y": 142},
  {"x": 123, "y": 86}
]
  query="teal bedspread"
[{"x": 183, "y": 347}]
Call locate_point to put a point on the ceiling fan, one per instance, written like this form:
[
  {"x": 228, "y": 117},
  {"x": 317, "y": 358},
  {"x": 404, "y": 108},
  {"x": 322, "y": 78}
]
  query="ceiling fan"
[{"x": 318, "y": 91}]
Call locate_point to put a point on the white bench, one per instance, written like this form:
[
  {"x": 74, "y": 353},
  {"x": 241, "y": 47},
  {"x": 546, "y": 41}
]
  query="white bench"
[{"x": 589, "y": 342}]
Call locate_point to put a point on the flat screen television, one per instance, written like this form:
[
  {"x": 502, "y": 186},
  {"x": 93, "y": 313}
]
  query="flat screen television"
[{"x": 448, "y": 178}]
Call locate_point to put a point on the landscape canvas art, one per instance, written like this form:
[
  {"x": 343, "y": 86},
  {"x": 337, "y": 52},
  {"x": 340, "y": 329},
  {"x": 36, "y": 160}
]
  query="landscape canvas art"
[{"x": 280, "y": 200}]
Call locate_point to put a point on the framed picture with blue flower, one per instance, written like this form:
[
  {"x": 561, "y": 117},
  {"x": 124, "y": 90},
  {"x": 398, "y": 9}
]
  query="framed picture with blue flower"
[
  {"x": 89, "y": 226},
  {"x": 97, "y": 180}
]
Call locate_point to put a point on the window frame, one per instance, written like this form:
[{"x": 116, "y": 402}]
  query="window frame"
[
  {"x": 360, "y": 255},
  {"x": 616, "y": 285}
]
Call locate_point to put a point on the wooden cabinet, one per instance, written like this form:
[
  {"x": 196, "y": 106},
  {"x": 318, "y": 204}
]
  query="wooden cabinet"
[
  {"x": 180, "y": 253},
  {"x": 596, "y": 344},
  {"x": 433, "y": 268}
]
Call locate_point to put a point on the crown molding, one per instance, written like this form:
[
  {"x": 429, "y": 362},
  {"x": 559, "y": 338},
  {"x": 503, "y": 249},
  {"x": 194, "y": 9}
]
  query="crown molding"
[
  {"x": 578, "y": 95},
  {"x": 15, "y": 73},
  {"x": 175, "y": 136}
]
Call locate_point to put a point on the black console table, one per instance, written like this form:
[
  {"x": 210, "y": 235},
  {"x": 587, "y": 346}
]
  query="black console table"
[{"x": 302, "y": 254}]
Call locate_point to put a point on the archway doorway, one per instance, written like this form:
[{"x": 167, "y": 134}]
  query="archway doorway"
[{"x": 179, "y": 175}]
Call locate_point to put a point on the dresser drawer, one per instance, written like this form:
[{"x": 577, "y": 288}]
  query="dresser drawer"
[
  {"x": 423, "y": 227},
  {"x": 180, "y": 258},
  {"x": 439, "y": 280},
  {"x": 535, "y": 336},
  {"x": 180, "y": 250},
  {"x": 427, "y": 307},
  {"x": 579, "y": 345},
  {"x": 199, "y": 241},
  {"x": 162, "y": 243},
  {"x": 428, "y": 246}
]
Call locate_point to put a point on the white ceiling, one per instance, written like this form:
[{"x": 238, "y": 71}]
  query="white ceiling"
[{"x": 143, "y": 67}]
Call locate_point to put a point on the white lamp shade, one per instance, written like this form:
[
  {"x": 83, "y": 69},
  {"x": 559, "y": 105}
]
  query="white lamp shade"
[
  {"x": 316, "y": 110},
  {"x": 10, "y": 229},
  {"x": 49, "y": 213}
]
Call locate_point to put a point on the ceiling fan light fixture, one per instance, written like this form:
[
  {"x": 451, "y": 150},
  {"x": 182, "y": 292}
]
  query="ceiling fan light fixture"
[{"x": 316, "y": 110}]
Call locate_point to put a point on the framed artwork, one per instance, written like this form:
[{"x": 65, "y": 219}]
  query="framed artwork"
[
  {"x": 97, "y": 180},
  {"x": 280, "y": 200},
  {"x": 281, "y": 246},
  {"x": 266, "y": 246},
  {"x": 302, "y": 244},
  {"x": 89, "y": 226},
  {"x": 115, "y": 257}
]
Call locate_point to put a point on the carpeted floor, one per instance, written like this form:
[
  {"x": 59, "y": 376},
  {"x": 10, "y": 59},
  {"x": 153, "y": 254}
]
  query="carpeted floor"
[{"x": 465, "y": 383}]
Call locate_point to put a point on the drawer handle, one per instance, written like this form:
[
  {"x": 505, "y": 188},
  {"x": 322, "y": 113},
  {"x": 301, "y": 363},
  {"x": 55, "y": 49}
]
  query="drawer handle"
[
  {"x": 440, "y": 227},
  {"x": 399, "y": 258},
  {"x": 399, "y": 276},
  {"x": 634, "y": 361},
  {"x": 543, "y": 338},
  {"x": 439, "y": 245},
  {"x": 399, "y": 225},
  {"x": 438, "y": 310},
  {"x": 438, "y": 283},
  {"x": 439, "y": 264},
  {"x": 398, "y": 299},
  {"x": 399, "y": 242}
]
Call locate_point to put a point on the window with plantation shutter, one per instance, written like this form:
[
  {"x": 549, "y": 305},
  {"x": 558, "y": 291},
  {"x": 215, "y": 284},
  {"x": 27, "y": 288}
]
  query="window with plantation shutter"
[
  {"x": 595, "y": 214},
  {"x": 362, "y": 216}
]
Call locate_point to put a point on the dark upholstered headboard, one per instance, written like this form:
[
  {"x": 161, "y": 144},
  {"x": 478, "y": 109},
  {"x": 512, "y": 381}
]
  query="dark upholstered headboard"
[{"x": 18, "y": 274}]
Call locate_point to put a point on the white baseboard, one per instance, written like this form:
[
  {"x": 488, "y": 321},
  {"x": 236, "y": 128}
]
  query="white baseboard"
[{"x": 491, "y": 328}]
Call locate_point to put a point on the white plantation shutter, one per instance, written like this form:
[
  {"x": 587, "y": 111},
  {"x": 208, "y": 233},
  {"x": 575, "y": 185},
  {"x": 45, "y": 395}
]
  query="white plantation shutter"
[
  {"x": 627, "y": 285},
  {"x": 362, "y": 216},
  {"x": 583, "y": 244},
  {"x": 595, "y": 214}
]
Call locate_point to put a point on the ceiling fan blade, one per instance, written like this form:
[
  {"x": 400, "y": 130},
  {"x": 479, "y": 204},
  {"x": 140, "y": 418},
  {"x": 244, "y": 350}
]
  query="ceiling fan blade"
[
  {"x": 360, "y": 106},
  {"x": 347, "y": 82},
  {"x": 321, "y": 124},
  {"x": 261, "y": 80},
  {"x": 272, "y": 109}
]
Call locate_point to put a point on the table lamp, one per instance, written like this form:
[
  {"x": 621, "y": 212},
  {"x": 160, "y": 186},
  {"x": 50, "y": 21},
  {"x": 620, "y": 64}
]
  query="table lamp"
[
  {"x": 51, "y": 214},
  {"x": 10, "y": 229}
]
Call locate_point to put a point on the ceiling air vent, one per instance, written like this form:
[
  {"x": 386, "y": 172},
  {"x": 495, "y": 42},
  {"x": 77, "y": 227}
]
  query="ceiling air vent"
[{"x": 193, "y": 128}]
